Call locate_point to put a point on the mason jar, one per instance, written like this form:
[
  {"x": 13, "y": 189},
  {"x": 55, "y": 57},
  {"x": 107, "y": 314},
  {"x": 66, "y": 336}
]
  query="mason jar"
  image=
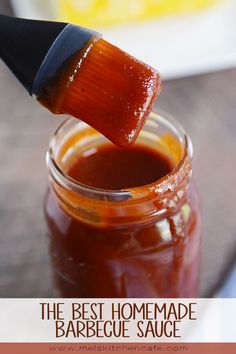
[{"x": 135, "y": 242}]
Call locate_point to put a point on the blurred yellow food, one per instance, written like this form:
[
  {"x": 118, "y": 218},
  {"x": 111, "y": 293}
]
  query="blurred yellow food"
[{"x": 96, "y": 13}]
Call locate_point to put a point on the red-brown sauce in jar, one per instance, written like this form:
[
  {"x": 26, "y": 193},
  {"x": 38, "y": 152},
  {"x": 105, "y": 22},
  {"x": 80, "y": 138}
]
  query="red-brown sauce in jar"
[
  {"x": 114, "y": 168},
  {"x": 144, "y": 243}
]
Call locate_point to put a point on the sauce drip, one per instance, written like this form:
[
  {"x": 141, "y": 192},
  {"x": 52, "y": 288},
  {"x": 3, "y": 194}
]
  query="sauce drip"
[{"x": 113, "y": 168}]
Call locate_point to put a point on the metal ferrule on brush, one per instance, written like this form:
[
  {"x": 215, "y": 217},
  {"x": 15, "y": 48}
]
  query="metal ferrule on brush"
[{"x": 71, "y": 40}]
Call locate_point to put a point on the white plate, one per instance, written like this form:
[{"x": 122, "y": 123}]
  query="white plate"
[{"x": 178, "y": 46}]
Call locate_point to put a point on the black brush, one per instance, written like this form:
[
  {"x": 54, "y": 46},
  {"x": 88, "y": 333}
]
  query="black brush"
[{"x": 71, "y": 69}]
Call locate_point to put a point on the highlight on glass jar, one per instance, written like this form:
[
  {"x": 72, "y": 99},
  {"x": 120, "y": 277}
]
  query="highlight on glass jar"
[{"x": 123, "y": 222}]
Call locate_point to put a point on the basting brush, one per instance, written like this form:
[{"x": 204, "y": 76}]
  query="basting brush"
[{"x": 73, "y": 70}]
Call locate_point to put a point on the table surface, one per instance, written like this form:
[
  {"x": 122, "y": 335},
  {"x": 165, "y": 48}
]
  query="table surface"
[{"x": 206, "y": 107}]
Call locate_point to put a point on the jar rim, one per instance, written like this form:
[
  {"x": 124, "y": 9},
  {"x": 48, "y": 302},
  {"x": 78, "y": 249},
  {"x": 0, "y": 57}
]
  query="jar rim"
[{"x": 124, "y": 194}]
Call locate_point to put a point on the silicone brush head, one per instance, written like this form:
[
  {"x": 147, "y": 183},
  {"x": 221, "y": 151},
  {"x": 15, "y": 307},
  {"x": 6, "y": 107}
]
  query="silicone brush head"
[{"x": 105, "y": 87}]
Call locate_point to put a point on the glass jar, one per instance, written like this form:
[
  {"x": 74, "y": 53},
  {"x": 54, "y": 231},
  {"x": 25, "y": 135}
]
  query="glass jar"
[{"x": 139, "y": 242}]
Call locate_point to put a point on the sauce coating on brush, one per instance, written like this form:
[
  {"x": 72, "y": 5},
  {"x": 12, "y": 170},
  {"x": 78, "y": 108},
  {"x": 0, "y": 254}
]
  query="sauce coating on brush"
[
  {"x": 107, "y": 88},
  {"x": 111, "y": 167}
]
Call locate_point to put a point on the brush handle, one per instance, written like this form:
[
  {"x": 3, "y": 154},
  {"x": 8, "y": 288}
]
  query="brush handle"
[
  {"x": 35, "y": 50},
  {"x": 24, "y": 45}
]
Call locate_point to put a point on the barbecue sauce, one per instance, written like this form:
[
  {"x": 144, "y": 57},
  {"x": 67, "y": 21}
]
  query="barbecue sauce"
[{"x": 121, "y": 249}]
